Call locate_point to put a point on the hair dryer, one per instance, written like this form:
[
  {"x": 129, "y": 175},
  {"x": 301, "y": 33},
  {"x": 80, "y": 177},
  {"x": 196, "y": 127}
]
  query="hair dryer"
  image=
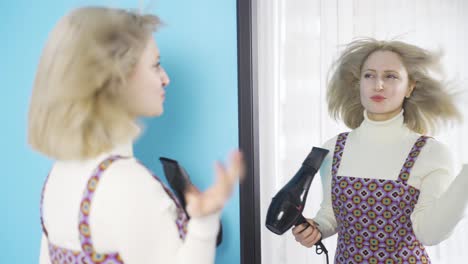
[
  {"x": 179, "y": 181},
  {"x": 287, "y": 205}
]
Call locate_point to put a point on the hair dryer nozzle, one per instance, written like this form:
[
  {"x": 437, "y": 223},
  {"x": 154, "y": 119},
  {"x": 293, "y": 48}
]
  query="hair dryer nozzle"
[
  {"x": 315, "y": 158},
  {"x": 179, "y": 181},
  {"x": 177, "y": 178},
  {"x": 286, "y": 207}
]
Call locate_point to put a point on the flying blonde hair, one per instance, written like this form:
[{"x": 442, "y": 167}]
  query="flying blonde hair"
[
  {"x": 430, "y": 104},
  {"x": 74, "y": 111}
]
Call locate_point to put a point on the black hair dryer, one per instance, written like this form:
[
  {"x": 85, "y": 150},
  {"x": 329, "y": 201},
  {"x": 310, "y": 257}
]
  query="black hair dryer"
[
  {"x": 179, "y": 180},
  {"x": 286, "y": 208}
]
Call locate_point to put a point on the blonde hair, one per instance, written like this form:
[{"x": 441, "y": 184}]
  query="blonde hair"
[
  {"x": 74, "y": 111},
  {"x": 430, "y": 103}
]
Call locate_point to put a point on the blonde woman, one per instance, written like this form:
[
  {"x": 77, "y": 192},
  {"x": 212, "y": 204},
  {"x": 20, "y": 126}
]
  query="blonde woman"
[
  {"x": 389, "y": 189},
  {"x": 99, "y": 72}
]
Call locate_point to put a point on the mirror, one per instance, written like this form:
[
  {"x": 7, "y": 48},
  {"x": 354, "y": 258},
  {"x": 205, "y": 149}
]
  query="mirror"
[{"x": 293, "y": 46}]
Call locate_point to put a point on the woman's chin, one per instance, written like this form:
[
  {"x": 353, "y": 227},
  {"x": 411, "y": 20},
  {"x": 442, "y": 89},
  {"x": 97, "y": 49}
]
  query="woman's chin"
[
  {"x": 154, "y": 113},
  {"x": 159, "y": 113},
  {"x": 379, "y": 109}
]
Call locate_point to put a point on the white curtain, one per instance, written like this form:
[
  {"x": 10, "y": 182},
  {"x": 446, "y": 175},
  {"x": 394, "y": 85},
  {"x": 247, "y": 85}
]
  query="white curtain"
[{"x": 296, "y": 42}]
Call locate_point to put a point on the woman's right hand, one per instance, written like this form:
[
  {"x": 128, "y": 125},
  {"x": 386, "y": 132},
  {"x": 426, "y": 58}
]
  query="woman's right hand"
[
  {"x": 214, "y": 198},
  {"x": 307, "y": 235}
]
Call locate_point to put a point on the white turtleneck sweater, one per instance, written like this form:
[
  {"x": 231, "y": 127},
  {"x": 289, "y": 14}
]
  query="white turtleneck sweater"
[
  {"x": 378, "y": 150},
  {"x": 130, "y": 214}
]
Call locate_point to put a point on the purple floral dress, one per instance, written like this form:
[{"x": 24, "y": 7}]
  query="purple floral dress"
[{"x": 373, "y": 215}]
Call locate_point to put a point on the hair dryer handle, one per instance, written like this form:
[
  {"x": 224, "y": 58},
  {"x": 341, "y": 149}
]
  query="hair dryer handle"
[{"x": 319, "y": 247}]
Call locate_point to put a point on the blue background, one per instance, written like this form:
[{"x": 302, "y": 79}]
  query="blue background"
[{"x": 200, "y": 124}]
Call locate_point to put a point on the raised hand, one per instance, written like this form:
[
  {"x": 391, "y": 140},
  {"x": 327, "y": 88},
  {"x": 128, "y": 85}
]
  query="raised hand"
[{"x": 215, "y": 197}]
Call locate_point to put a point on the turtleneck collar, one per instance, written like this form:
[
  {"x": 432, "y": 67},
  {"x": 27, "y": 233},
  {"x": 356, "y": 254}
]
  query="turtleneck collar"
[
  {"x": 387, "y": 130},
  {"x": 123, "y": 150}
]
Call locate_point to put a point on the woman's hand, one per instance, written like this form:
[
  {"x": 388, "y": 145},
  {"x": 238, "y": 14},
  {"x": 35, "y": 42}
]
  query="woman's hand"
[
  {"x": 307, "y": 236},
  {"x": 215, "y": 197}
]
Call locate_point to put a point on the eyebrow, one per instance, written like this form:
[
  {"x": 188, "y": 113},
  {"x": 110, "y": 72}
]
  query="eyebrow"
[{"x": 386, "y": 71}]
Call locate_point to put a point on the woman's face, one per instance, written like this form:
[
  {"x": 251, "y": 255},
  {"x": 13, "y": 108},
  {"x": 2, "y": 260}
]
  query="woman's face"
[
  {"x": 144, "y": 94},
  {"x": 383, "y": 85}
]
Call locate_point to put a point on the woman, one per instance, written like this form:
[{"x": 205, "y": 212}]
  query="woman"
[
  {"x": 388, "y": 189},
  {"x": 99, "y": 72}
]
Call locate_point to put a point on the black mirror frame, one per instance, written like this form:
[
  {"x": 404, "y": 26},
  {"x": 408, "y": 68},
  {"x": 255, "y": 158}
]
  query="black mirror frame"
[{"x": 250, "y": 247}]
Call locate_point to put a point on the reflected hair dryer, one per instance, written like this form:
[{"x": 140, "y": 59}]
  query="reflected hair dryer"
[{"x": 286, "y": 208}]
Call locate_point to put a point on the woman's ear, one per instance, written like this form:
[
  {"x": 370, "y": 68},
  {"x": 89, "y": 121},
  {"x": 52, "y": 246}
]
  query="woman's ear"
[{"x": 411, "y": 87}]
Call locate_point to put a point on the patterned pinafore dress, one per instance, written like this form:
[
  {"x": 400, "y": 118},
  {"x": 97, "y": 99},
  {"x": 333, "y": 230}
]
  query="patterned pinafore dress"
[
  {"x": 88, "y": 255},
  {"x": 373, "y": 215}
]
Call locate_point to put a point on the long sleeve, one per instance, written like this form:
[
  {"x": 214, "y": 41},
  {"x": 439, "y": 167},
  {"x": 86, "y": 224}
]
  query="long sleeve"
[
  {"x": 325, "y": 217},
  {"x": 133, "y": 211},
  {"x": 44, "y": 254},
  {"x": 442, "y": 199}
]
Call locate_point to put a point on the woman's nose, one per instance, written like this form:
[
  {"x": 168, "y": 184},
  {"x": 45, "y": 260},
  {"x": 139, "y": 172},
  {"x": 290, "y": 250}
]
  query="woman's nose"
[
  {"x": 379, "y": 84},
  {"x": 165, "y": 79}
]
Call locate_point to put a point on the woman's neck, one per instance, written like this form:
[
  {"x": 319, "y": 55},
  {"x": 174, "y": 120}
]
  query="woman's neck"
[{"x": 385, "y": 116}]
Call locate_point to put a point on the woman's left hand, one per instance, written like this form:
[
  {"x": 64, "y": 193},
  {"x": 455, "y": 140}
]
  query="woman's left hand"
[{"x": 214, "y": 198}]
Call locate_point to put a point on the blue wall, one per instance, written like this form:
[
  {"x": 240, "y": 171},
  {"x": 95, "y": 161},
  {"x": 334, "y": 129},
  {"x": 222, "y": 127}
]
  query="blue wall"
[{"x": 199, "y": 52}]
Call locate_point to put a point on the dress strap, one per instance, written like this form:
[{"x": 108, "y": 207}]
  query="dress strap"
[
  {"x": 411, "y": 159},
  {"x": 182, "y": 217},
  {"x": 338, "y": 154},
  {"x": 44, "y": 230},
  {"x": 85, "y": 205}
]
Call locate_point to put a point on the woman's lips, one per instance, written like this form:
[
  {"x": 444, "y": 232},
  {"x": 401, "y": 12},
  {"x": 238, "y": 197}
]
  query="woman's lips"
[{"x": 377, "y": 98}]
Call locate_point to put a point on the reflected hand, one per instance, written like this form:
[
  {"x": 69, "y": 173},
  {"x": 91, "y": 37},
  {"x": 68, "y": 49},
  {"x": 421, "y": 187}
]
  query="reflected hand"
[{"x": 307, "y": 235}]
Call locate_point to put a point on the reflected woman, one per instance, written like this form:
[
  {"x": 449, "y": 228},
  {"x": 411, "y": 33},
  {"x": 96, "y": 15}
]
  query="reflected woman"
[{"x": 389, "y": 190}]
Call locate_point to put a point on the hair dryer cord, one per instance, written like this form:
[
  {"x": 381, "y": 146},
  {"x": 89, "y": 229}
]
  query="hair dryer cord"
[{"x": 320, "y": 249}]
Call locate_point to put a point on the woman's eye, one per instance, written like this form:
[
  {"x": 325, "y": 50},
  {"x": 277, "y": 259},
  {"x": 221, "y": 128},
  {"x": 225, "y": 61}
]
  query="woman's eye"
[
  {"x": 367, "y": 75},
  {"x": 157, "y": 65},
  {"x": 392, "y": 76}
]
